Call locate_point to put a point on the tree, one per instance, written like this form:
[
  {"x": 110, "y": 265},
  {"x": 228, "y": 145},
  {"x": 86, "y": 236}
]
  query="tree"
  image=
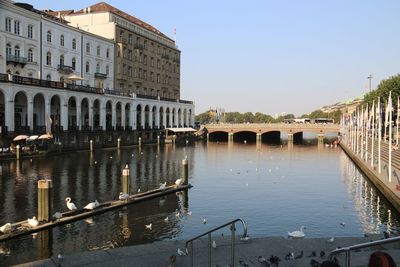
[
  {"x": 203, "y": 118},
  {"x": 383, "y": 89}
]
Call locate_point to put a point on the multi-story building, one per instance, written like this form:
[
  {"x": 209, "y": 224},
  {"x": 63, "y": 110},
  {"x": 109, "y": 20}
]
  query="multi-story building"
[{"x": 147, "y": 61}]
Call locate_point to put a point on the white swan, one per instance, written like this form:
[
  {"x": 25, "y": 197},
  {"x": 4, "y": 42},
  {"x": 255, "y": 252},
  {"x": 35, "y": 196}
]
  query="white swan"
[
  {"x": 92, "y": 205},
  {"x": 179, "y": 182},
  {"x": 123, "y": 196},
  {"x": 70, "y": 205},
  {"x": 148, "y": 226},
  {"x": 33, "y": 222},
  {"x": 297, "y": 234},
  {"x": 6, "y": 228}
]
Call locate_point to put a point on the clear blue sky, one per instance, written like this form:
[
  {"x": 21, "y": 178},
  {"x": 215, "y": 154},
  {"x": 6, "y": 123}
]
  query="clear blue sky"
[{"x": 272, "y": 56}]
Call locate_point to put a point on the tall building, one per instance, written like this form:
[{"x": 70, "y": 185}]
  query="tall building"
[{"x": 147, "y": 61}]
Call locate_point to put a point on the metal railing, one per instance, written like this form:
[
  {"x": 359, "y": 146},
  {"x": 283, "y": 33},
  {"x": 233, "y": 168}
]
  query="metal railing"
[
  {"x": 348, "y": 249},
  {"x": 233, "y": 229}
]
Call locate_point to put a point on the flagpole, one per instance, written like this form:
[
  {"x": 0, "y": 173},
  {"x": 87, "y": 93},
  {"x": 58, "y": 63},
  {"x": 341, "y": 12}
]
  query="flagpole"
[
  {"x": 397, "y": 122},
  {"x": 366, "y": 132},
  {"x": 357, "y": 130},
  {"x": 373, "y": 111},
  {"x": 390, "y": 135},
  {"x": 379, "y": 134},
  {"x": 362, "y": 133}
]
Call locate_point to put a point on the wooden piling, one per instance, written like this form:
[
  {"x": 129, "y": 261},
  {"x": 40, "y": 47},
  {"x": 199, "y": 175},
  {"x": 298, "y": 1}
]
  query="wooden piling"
[
  {"x": 44, "y": 200},
  {"x": 91, "y": 145},
  {"x": 140, "y": 141},
  {"x": 158, "y": 140},
  {"x": 126, "y": 181},
  {"x": 185, "y": 171},
  {"x": 118, "y": 143},
  {"x": 18, "y": 147}
]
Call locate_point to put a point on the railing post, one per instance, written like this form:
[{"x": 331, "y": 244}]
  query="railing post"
[
  {"x": 348, "y": 258},
  {"x": 209, "y": 250},
  {"x": 233, "y": 244}
]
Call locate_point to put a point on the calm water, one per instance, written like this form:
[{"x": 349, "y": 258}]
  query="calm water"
[{"x": 273, "y": 188}]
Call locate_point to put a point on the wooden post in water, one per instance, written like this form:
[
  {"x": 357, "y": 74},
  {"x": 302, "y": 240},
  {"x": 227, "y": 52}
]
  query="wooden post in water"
[
  {"x": 118, "y": 142},
  {"x": 91, "y": 145},
  {"x": 185, "y": 171},
  {"x": 290, "y": 138},
  {"x": 140, "y": 141},
  {"x": 321, "y": 138},
  {"x": 44, "y": 200},
  {"x": 126, "y": 182},
  {"x": 258, "y": 138},
  {"x": 158, "y": 140},
  {"x": 18, "y": 147}
]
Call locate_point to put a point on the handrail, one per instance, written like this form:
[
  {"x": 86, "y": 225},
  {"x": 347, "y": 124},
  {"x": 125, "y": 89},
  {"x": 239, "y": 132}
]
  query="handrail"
[
  {"x": 362, "y": 245},
  {"x": 232, "y": 224}
]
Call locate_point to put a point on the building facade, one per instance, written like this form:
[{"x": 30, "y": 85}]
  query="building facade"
[{"x": 147, "y": 61}]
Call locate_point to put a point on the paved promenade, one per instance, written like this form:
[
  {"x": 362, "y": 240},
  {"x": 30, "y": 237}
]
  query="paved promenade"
[{"x": 159, "y": 253}]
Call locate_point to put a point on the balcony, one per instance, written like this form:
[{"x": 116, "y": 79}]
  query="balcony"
[
  {"x": 121, "y": 76},
  {"x": 138, "y": 46},
  {"x": 16, "y": 60},
  {"x": 65, "y": 69},
  {"x": 100, "y": 75},
  {"x": 165, "y": 56}
]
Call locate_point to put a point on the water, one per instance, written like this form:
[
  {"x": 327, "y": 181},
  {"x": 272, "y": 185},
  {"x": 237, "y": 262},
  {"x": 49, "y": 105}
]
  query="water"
[{"x": 274, "y": 188}]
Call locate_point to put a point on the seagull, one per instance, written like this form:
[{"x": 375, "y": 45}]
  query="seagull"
[
  {"x": 181, "y": 253},
  {"x": 297, "y": 234},
  {"x": 33, "y": 222},
  {"x": 179, "y": 182},
  {"x": 123, "y": 196},
  {"x": 331, "y": 240},
  {"x": 92, "y": 205},
  {"x": 148, "y": 226},
  {"x": 166, "y": 219},
  {"x": 57, "y": 215},
  {"x": 60, "y": 257},
  {"x": 138, "y": 190},
  {"x": 343, "y": 224},
  {"x": 162, "y": 186},
  {"x": 204, "y": 221},
  {"x": 214, "y": 244},
  {"x": 263, "y": 261},
  {"x": 6, "y": 228},
  {"x": 70, "y": 205}
]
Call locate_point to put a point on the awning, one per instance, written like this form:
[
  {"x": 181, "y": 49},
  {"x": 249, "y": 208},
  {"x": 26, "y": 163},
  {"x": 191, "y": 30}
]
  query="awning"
[{"x": 181, "y": 130}]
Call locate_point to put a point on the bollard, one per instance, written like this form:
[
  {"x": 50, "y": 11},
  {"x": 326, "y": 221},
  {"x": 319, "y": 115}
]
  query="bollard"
[
  {"x": 44, "y": 200},
  {"x": 140, "y": 141},
  {"x": 126, "y": 182},
  {"x": 18, "y": 147},
  {"x": 118, "y": 143},
  {"x": 185, "y": 172},
  {"x": 91, "y": 145},
  {"x": 158, "y": 140},
  {"x": 208, "y": 137}
]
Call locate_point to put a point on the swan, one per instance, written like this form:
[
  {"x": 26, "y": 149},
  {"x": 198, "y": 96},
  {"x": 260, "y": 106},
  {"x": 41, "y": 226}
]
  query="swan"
[
  {"x": 123, "y": 196},
  {"x": 92, "y": 205},
  {"x": 179, "y": 181},
  {"x": 297, "y": 234},
  {"x": 57, "y": 215},
  {"x": 166, "y": 219},
  {"x": 70, "y": 205},
  {"x": 33, "y": 222},
  {"x": 6, "y": 228},
  {"x": 162, "y": 186},
  {"x": 148, "y": 226},
  {"x": 181, "y": 252},
  {"x": 204, "y": 221}
]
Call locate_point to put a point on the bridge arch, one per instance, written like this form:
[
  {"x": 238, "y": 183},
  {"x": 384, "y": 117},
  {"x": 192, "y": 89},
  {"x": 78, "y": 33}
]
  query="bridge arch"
[
  {"x": 242, "y": 136},
  {"x": 220, "y": 136}
]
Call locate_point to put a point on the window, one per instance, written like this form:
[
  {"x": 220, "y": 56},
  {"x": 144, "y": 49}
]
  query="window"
[
  {"x": 48, "y": 58},
  {"x": 30, "y": 55},
  {"x": 108, "y": 53},
  {"x": 74, "y": 44},
  {"x": 8, "y": 49},
  {"x": 107, "y": 70},
  {"x": 49, "y": 36},
  {"x": 158, "y": 77},
  {"x": 130, "y": 71},
  {"x": 87, "y": 48},
  {"x": 145, "y": 59},
  {"x": 48, "y": 77},
  {"x": 130, "y": 39},
  {"x": 17, "y": 52},
  {"x": 8, "y": 25},
  {"x": 73, "y": 63},
  {"x": 62, "y": 60},
  {"x": 62, "y": 40},
  {"x": 30, "y": 31},
  {"x": 30, "y": 74},
  {"x": 152, "y": 62},
  {"x": 98, "y": 50},
  {"x": 87, "y": 67},
  {"x": 130, "y": 54},
  {"x": 145, "y": 44},
  {"x": 16, "y": 27},
  {"x": 98, "y": 68},
  {"x": 121, "y": 36}
]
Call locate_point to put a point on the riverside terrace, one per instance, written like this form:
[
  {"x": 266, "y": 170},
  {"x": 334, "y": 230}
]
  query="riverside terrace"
[{"x": 27, "y": 104}]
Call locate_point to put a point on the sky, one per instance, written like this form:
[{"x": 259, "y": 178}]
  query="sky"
[{"x": 272, "y": 56}]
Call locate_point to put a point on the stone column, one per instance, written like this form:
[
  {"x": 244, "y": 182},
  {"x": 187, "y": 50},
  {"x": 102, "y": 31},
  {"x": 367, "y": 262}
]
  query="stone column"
[
  {"x": 151, "y": 119},
  {"x": 290, "y": 138},
  {"x": 230, "y": 137},
  {"x": 47, "y": 113},
  {"x": 79, "y": 118},
  {"x": 113, "y": 114},
  {"x": 132, "y": 119},
  {"x": 170, "y": 118},
  {"x": 91, "y": 111},
  {"x": 164, "y": 118},
  {"x": 64, "y": 115},
  {"x": 258, "y": 138},
  {"x": 30, "y": 112},
  {"x": 123, "y": 116},
  {"x": 158, "y": 118},
  {"x": 10, "y": 113},
  {"x": 187, "y": 117},
  {"x": 103, "y": 116},
  {"x": 176, "y": 117},
  {"x": 143, "y": 117}
]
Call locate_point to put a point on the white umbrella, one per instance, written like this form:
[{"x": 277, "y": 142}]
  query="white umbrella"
[
  {"x": 32, "y": 137},
  {"x": 45, "y": 136},
  {"x": 74, "y": 77},
  {"x": 20, "y": 137}
]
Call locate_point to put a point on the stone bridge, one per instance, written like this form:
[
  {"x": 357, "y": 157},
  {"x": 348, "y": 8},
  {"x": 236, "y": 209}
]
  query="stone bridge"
[{"x": 259, "y": 130}]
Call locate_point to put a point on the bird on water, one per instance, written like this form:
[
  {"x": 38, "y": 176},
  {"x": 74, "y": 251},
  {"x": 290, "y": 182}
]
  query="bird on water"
[{"x": 70, "y": 205}]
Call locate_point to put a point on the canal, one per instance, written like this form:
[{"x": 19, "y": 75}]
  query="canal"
[{"x": 275, "y": 188}]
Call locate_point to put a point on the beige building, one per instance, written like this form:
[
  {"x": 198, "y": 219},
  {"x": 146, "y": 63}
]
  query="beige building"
[{"x": 147, "y": 62}]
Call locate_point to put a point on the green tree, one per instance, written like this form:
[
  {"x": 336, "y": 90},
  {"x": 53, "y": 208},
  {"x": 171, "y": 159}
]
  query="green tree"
[
  {"x": 203, "y": 118},
  {"x": 383, "y": 89}
]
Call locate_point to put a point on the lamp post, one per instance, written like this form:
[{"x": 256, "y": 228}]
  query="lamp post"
[{"x": 369, "y": 78}]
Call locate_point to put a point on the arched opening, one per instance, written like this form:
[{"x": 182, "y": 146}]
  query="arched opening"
[
  {"x": 191, "y": 123},
  {"x": 20, "y": 112},
  {"x": 161, "y": 115},
  {"x": 119, "y": 115},
  {"x": 39, "y": 116},
  {"x": 173, "y": 118},
  {"x": 109, "y": 115},
  {"x": 167, "y": 114},
  {"x": 55, "y": 113},
  {"x": 273, "y": 137},
  {"x": 96, "y": 114},
  {"x": 179, "y": 122},
  {"x": 85, "y": 114},
  {"x": 245, "y": 137},
  {"x": 127, "y": 116},
  {"x": 72, "y": 122},
  {"x": 185, "y": 118},
  {"x": 147, "y": 117},
  {"x": 139, "y": 117},
  {"x": 153, "y": 117},
  {"x": 2, "y": 110},
  {"x": 218, "y": 137},
  {"x": 298, "y": 137}
]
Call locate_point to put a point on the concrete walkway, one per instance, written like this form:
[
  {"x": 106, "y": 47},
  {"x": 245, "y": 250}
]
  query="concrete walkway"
[{"x": 159, "y": 253}]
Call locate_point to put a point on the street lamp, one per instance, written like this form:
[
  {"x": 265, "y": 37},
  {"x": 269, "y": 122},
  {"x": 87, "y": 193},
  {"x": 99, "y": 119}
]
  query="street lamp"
[{"x": 370, "y": 78}]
